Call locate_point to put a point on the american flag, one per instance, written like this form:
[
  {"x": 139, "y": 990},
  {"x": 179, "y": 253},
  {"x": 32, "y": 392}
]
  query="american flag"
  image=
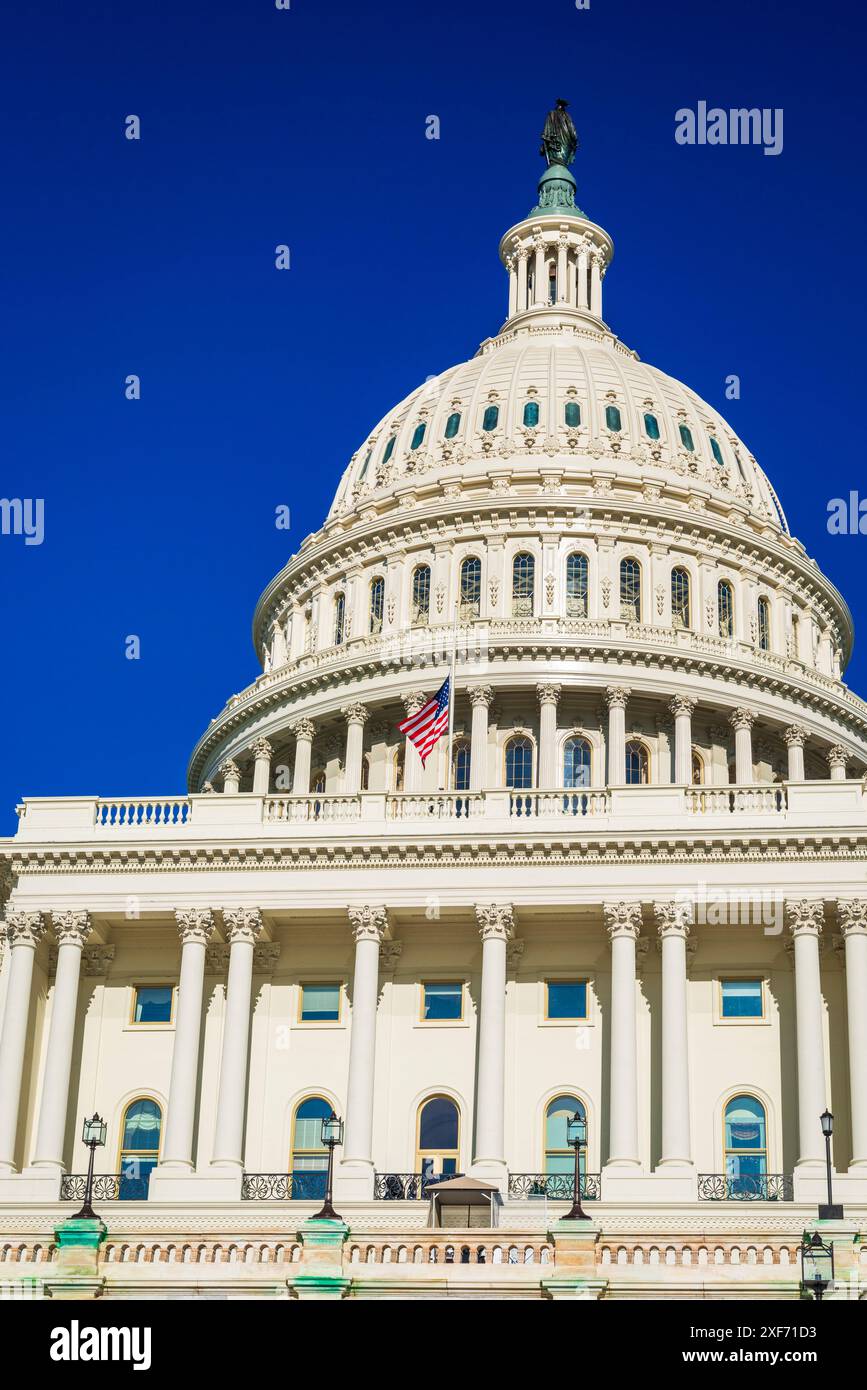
[{"x": 431, "y": 722}]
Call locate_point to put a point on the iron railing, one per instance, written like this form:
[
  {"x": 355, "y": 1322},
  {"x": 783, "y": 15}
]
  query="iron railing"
[
  {"x": 559, "y": 1187},
  {"x": 285, "y": 1187},
  {"x": 107, "y": 1187},
  {"x": 407, "y": 1187},
  {"x": 761, "y": 1187}
]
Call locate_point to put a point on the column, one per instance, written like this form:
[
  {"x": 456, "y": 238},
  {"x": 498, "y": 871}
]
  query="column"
[
  {"x": 24, "y": 931},
  {"x": 742, "y": 721},
  {"x": 805, "y": 923},
  {"x": 243, "y": 928},
  {"x": 562, "y": 283},
  {"x": 616, "y": 697},
  {"x": 356, "y": 717},
  {"x": 412, "y": 766},
  {"x": 71, "y": 930},
  {"x": 852, "y": 916},
  {"x": 195, "y": 928},
  {"x": 304, "y": 730},
  {"x": 623, "y": 924},
  {"x": 596, "y": 260},
  {"x": 480, "y": 699},
  {"x": 369, "y": 926},
  {"x": 522, "y": 278},
  {"x": 496, "y": 928},
  {"x": 837, "y": 760},
  {"x": 278, "y": 645},
  {"x": 261, "y": 751},
  {"x": 682, "y": 708},
  {"x": 231, "y": 775},
  {"x": 513, "y": 285},
  {"x": 548, "y": 696},
  {"x": 795, "y": 737},
  {"x": 582, "y": 277},
  {"x": 673, "y": 923}
]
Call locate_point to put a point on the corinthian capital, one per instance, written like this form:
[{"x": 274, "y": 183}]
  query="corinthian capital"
[
  {"x": 548, "y": 694},
  {"x": 368, "y": 923},
  {"x": 229, "y": 769},
  {"x": 25, "y": 928},
  {"x": 795, "y": 736},
  {"x": 681, "y": 704},
  {"x": 261, "y": 748},
  {"x": 71, "y": 928},
  {"x": 673, "y": 919},
  {"x": 243, "y": 924},
  {"x": 413, "y": 701},
  {"x": 355, "y": 714},
  {"x": 496, "y": 921},
  {"x": 622, "y": 919},
  {"x": 837, "y": 756},
  {"x": 852, "y": 916},
  {"x": 480, "y": 695},
  {"x": 195, "y": 924},
  {"x": 303, "y": 729},
  {"x": 616, "y": 696},
  {"x": 805, "y": 918},
  {"x": 742, "y": 718}
]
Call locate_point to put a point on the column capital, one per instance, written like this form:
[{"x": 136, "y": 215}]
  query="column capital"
[
  {"x": 742, "y": 718},
  {"x": 413, "y": 701},
  {"x": 480, "y": 695},
  {"x": 229, "y": 768},
  {"x": 303, "y": 729},
  {"x": 71, "y": 928},
  {"x": 496, "y": 921},
  {"x": 243, "y": 924},
  {"x": 548, "y": 693},
  {"x": 355, "y": 713},
  {"x": 261, "y": 748},
  {"x": 673, "y": 919},
  {"x": 25, "y": 928},
  {"x": 681, "y": 704},
  {"x": 369, "y": 923},
  {"x": 795, "y": 736},
  {"x": 195, "y": 924},
  {"x": 805, "y": 918},
  {"x": 616, "y": 696},
  {"x": 852, "y": 915},
  {"x": 622, "y": 919},
  {"x": 837, "y": 756}
]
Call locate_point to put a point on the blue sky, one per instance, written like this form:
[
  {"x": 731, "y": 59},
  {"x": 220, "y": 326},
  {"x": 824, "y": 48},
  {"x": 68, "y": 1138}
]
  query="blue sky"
[{"x": 307, "y": 127}]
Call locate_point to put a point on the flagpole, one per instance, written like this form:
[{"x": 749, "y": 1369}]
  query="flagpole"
[{"x": 452, "y": 700}]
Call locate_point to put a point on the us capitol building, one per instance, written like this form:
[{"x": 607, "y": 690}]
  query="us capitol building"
[{"x": 637, "y": 895}]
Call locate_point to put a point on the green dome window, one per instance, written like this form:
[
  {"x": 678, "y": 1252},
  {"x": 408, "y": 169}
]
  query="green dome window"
[
  {"x": 717, "y": 452},
  {"x": 531, "y": 414},
  {"x": 418, "y": 435},
  {"x": 490, "y": 417},
  {"x": 686, "y": 438},
  {"x": 389, "y": 449},
  {"x": 572, "y": 414},
  {"x": 651, "y": 426},
  {"x": 364, "y": 465},
  {"x": 612, "y": 417},
  {"x": 453, "y": 424}
]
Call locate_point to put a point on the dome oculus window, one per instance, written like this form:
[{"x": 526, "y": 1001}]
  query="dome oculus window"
[
  {"x": 418, "y": 435},
  {"x": 531, "y": 414},
  {"x": 490, "y": 418},
  {"x": 523, "y": 575},
  {"x": 630, "y": 591},
  {"x": 572, "y": 414},
  {"x": 577, "y": 588},
  {"x": 686, "y": 438},
  {"x": 651, "y": 426},
  {"x": 389, "y": 449},
  {"x": 471, "y": 588},
  {"x": 453, "y": 424},
  {"x": 680, "y": 607},
  {"x": 377, "y": 599},
  {"x": 717, "y": 452},
  {"x": 612, "y": 418}
]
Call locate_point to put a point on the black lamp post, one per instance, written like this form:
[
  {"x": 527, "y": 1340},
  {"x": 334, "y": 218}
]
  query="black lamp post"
[
  {"x": 576, "y": 1135},
  {"x": 93, "y": 1135},
  {"x": 817, "y": 1265},
  {"x": 332, "y": 1135},
  {"x": 828, "y": 1211}
]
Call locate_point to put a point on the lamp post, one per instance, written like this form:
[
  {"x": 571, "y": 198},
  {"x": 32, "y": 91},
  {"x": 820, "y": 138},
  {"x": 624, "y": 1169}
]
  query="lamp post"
[
  {"x": 576, "y": 1136},
  {"x": 817, "y": 1265},
  {"x": 332, "y": 1135},
  {"x": 93, "y": 1135},
  {"x": 828, "y": 1211}
]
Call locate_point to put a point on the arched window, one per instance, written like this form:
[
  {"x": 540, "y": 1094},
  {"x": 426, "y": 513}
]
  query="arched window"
[
  {"x": 453, "y": 424},
  {"x": 523, "y": 574},
  {"x": 717, "y": 452},
  {"x": 339, "y": 618},
  {"x": 421, "y": 595},
  {"x": 397, "y": 767},
  {"x": 461, "y": 767},
  {"x": 531, "y": 414},
  {"x": 309, "y": 1159},
  {"x": 552, "y": 283},
  {"x": 576, "y": 586},
  {"x": 746, "y": 1145},
  {"x": 559, "y": 1154},
  {"x": 576, "y": 763},
  {"x": 418, "y": 435},
  {"x": 612, "y": 417},
  {"x": 490, "y": 417},
  {"x": 572, "y": 414},
  {"x": 630, "y": 590},
  {"x": 389, "y": 449},
  {"x": 697, "y": 770},
  {"x": 651, "y": 426},
  {"x": 377, "y": 600},
  {"x": 680, "y": 614},
  {"x": 764, "y": 616},
  {"x": 471, "y": 588},
  {"x": 636, "y": 764},
  {"x": 519, "y": 764},
  {"x": 139, "y": 1148},
  {"x": 725, "y": 602},
  {"x": 686, "y": 438},
  {"x": 438, "y": 1147}
]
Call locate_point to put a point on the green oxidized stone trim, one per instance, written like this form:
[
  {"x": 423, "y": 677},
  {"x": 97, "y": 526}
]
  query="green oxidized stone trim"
[{"x": 81, "y": 1231}]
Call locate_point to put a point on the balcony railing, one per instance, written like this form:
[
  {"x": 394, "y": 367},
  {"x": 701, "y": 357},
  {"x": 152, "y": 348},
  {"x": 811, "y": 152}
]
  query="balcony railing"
[
  {"x": 107, "y": 1187},
  {"x": 284, "y": 1187},
  {"x": 407, "y": 1187},
  {"x": 557, "y": 1187},
  {"x": 764, "y": 1187}
]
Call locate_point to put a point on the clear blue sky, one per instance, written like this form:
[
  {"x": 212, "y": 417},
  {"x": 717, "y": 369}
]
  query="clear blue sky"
[{"x": 307, "y": 127}]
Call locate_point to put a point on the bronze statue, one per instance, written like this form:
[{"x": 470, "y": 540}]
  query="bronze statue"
[{"x": 559, "y": 138}]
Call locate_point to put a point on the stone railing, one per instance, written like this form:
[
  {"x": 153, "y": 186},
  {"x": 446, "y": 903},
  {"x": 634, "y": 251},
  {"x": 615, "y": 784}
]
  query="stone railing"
[
  {"x": 143, "y": 811},
  {"x": 302, "y": 810},
  {"x": 725, "y": 801},
  {"x": 464, "y": 1247}
]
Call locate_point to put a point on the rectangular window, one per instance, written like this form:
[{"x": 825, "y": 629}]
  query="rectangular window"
[
  {"x": 320, "y": 1003},
  {"x": 566, "y": 999},
  {"x": 153, "y": 1004},
  {"x": 443, "y": 1000},
  {"x": 741, "y": 999}
]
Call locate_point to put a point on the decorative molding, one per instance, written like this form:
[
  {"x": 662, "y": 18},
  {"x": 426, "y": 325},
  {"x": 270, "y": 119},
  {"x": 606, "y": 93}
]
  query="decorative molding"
[
  {"x": 805, "y": 918},
  {"x": 369, "y": 923},
  {"x": 243, "y": 924},
  {"x": 71, "y": 928},
  {"x": 622, "y": 919},
  {"x": 496, "y": 921},
  {"x": 195, "y": 924}
]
